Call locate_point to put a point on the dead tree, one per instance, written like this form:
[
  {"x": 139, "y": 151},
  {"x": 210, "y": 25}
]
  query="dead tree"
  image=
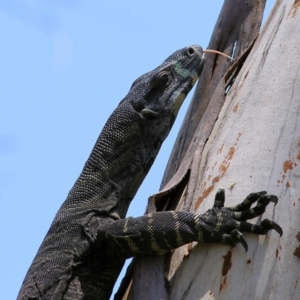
[{"x": 241, "y": 132}]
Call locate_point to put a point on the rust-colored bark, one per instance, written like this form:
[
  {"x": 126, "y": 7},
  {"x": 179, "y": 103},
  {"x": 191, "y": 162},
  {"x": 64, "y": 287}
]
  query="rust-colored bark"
[{"x": 236, "y": 29}]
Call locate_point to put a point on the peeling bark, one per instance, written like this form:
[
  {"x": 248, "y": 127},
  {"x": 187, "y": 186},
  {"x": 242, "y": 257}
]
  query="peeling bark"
[
  {"x": 254, "y": 145},
  {"x": 235, "y": 33}
]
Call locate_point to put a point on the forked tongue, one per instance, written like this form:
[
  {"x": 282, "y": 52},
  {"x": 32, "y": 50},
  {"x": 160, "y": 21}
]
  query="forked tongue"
[{"x": 217, "y": 52}]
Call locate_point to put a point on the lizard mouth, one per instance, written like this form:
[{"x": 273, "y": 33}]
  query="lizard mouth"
[{"x": 191, "y": 73}]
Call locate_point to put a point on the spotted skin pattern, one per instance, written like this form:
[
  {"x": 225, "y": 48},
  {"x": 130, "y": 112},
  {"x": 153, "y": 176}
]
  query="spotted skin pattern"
[
  {"x": 76, "y": 260},
  {"x": 89, "y": 239},
  {"x": 161, "y": 232}
]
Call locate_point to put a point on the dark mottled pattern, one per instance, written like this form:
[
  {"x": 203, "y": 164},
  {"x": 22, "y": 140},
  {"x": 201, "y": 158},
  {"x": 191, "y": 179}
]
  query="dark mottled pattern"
[
  {"x": 75, "y": 260},
  {"x": 89, "y": 239},
  {"x": 160, "y": 232}
]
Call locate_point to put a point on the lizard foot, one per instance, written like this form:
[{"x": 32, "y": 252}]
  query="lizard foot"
[{"x": 226, "y": 224}]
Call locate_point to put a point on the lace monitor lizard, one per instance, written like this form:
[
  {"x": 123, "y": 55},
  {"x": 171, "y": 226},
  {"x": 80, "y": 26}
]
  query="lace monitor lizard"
[{"x": 89, "y": 238}]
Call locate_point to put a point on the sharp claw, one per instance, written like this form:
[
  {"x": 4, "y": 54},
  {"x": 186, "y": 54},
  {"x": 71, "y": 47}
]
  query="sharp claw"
[
  {"x": 268, "y": 224},
  {"x": 274, "y": 199},
  {"x": 220, "y": 198},
  {"x": 238, "y": 237},
  {"x": 243, "y": 242}
]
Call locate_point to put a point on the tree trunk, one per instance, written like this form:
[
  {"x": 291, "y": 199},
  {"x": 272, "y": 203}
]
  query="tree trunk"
[{"x": 246, "y": 141}]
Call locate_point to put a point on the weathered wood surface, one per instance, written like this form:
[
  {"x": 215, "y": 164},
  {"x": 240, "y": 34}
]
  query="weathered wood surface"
[{"x": 254, "y": 145}]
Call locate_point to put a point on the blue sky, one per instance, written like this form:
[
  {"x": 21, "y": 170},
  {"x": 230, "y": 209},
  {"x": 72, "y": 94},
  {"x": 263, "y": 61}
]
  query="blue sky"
[{"x": 64, "y": 67}]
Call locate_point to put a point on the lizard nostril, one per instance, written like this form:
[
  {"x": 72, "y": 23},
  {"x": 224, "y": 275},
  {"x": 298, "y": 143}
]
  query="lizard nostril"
[{"x": 191, "y": 51}]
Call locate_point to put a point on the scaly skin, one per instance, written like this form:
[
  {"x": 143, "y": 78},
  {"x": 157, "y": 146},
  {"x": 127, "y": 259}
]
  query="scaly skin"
[
  {"x": 89, "y": 239},
  {"x": 73, "y": 262}
]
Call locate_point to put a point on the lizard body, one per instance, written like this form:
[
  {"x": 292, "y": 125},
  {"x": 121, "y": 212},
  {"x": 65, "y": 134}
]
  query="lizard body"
[{"x": 89, "y": 240}]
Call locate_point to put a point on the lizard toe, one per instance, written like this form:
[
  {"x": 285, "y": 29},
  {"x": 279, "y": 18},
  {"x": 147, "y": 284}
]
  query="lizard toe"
[
  {"x": 238, "y": 237},
  {"x": 268, "y": 225}
]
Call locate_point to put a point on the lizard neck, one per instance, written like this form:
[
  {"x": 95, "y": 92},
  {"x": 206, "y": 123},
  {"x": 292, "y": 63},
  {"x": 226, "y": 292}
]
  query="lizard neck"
[{"x": 117, "y": 165}]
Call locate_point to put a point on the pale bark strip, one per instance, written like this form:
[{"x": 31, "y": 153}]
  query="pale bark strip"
[
  {"x": 239, "y": 21},
  {"x": 256, "y": 144}
]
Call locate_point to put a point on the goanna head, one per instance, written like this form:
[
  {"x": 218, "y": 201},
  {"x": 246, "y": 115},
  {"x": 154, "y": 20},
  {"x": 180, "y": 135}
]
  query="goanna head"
[
  {"x": 157, "y": 95},
  {"x": 134, "y": 133}
]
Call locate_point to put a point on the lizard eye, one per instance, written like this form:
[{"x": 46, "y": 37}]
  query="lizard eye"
[
  {"x": 164, "y": 79},
  {"x": 161, "y": 80}
]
